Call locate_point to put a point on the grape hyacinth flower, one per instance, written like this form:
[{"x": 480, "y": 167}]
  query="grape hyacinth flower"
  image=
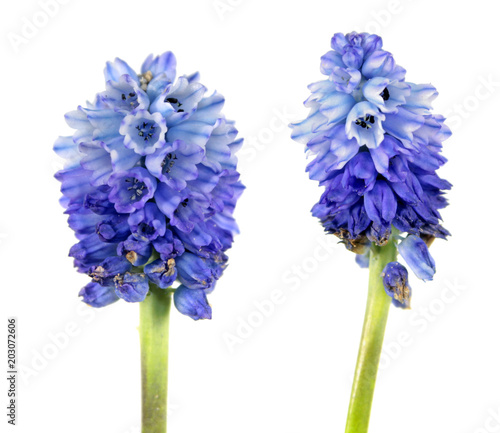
[
  {"x": 150, "y": 185},
  {"x": 375, "y": 147}
]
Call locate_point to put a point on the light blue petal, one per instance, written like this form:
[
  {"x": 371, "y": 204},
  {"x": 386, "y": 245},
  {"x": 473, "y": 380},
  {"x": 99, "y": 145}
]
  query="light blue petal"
[
  {"x": 122, "y": 158},
  {"x": 195, "y": 132},
  {"x": 402, "y": 124},
  {"x": 167, "y": 199},
  {"x": 98, "y": 161},
  {"x": 209, "y": 108},
  {"x": 114, "y": 70},
  {"x": 336, "y": 106},
  {"x": 305, "y": 130},
  {"x": 416, "y": 254},
  {"x": 421, "y": 97}
]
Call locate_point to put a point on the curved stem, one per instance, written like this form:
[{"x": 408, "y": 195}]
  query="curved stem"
[
  {"x": 153, "y": 331},
  {"x": 370, "y": 347}
]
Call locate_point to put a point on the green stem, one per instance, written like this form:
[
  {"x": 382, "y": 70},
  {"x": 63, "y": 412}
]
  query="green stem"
[
  {"x": 153, "y": 330},
  {"x": 370, "y": 347}
]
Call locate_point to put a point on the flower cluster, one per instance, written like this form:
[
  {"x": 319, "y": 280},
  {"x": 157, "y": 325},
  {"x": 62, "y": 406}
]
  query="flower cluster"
[
  {"x": 376, "y": 148},
  {"x": 150, "y": 185}
]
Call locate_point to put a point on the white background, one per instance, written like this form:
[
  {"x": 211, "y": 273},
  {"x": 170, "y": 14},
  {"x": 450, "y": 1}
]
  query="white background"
[{"x": 290, "y": 372}]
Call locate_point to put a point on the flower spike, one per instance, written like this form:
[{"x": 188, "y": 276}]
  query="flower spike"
[
  {"x": 150, "y": 184},
  {"x": 375, "y": 147}
]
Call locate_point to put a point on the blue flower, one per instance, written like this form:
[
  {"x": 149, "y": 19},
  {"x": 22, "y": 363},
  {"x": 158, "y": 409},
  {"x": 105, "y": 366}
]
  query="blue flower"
[
  {"x": 395, "y": 278},
  {"x": 199, "y": 272},
  {"x": 132, "y": 287},
  {"x": 414, "y": 251},
  {"x": 375, "y": 147},
  {"x": 136, "y": 251},
  {"x": 162, "y": 273},
  {"x": 115, "y": 229},
  {"x": 105, "y": 273},
  {"x": 346, "y": 79},
  {"x": 150, "y": 185},
  {"x": 144, "y": 132},
  {"x": 130, "y": 190},
  {"x": 192, "y": 303},
  {"x": 364, "y": 123},
  {"x": 98, "y": 296},
  {"x": 148, "y": 223},
  {"x": 176, "y": 164}
]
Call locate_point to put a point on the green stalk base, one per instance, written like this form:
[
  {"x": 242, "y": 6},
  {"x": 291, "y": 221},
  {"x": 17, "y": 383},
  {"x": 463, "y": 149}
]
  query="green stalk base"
[
  {"x": 153, "y": 331},
  {"x": 370, "y": 347}
]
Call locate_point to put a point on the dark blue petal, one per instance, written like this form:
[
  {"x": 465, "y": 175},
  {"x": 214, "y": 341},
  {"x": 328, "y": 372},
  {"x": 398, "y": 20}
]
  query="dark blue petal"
[
  {"x": 135, "y": 251},
  {"x": 199, "y": 272},
  {"x": 380, "y": 203},
  {"x": 162, "y": 273},
  {"x": 106, "y": 271},
  {"x": 98, "y": 296},
  {"x": 131, "y": 190},
  {"x": 192, "y": 303},
  {"x": 395, "y": 278},
  {"x": 147, "y": 223},
  {"x": 132, "y": 287}
]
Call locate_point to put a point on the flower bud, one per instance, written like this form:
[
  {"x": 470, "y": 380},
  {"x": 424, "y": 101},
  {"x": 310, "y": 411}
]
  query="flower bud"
[
  {"x": 415, "y": 252},
  {"x": 192, "y": 303},
  {"x": 395, "y": 277}
]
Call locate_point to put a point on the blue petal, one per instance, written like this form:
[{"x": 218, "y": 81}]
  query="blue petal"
[
  {"x": 338, "y": 42},
  {"x": 330, "y": 61},
  {"x": 194, "y": 132},
  {"x": 192, "y": 303},
  {"x": 208, "y": 109},
  {"x": 122, "y": 159},
  {"x": 97, "y": 296},
  {"x": 135, "y": 251},
  {"x": 98, "y": 161},
  {"x": 380, "y": 63},
  {"x": 415, "y": 252},
  {"x": 114, "y": 70},
  {"x": 305, "y": 130},
  {"x": 336, "y": 106},
  {"x": 167, "y": 199},
  {"x": 77, "y": 119},
  {"x": 395, "y": 279},
  {"x": 370, "y": 136},
  {"x": 83, "y": 222},
  {"x": 420, "y": 98},
  {"x": 353, "y": 57},
  {"x": 162, "y": 273},
  {"x": 90, "y": 252},
  {"x": 163, "y": 64},
  {"x": 74, "y": 183},
  {"x": 106, "y": 123},
  {"x": 195, "y": 272},
  {"x": 66, "y": 148},
  {"x": 380, "y": 203},
  {"x": 402, "y": 124},
  {"x": 132, "y": 287}
]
